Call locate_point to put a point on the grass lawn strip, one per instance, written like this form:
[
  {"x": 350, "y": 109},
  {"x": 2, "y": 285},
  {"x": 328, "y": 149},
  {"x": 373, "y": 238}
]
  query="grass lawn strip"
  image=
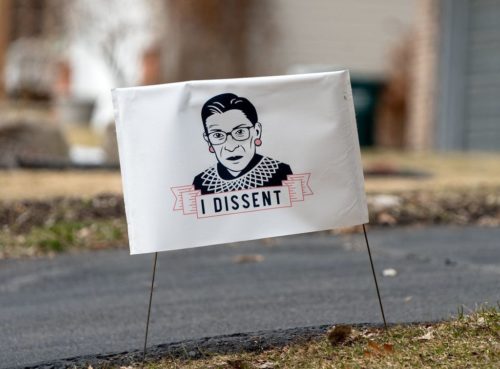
[
  {"x": 33, "y": 228},
  {"x": 467, "y": 342},
  {"x": 62, "y": 236}
]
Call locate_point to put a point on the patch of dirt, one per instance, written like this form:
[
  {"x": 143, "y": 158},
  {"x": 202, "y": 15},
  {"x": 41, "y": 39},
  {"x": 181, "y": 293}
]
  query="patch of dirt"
[
  {"x": 478, "y": 207},
  {"x": 471, "y": 207},
  {"x": 21, "y": 215}
]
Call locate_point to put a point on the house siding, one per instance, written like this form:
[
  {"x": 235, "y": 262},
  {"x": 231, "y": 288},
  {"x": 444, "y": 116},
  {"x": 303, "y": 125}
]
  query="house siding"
[
  {"x": 470, "y": 80},
  {"x": 482, "y": 79}
]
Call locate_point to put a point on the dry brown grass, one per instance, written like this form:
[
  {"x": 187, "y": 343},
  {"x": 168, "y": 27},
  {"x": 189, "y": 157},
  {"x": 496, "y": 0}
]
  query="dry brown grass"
[
  {"x": 467, "y": 342},
  {"x": 82, "y": 135},
  {"x": 40, "y": 184},
  {"x": 450, "y": 171}
]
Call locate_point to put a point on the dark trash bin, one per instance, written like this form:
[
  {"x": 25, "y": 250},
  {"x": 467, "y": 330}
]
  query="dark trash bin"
[{"x": 366, "y": 94}]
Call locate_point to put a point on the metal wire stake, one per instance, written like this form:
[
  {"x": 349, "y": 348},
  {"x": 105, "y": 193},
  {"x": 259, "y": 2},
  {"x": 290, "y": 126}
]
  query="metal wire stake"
[
  {"x": 149, "y": 307},
  {"x": 375, "y": 278}
]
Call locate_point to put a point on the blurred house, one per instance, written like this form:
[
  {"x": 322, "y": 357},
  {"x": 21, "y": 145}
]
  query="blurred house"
[
  {"x": 436, "y": 61},
  {"x": 151, "y": 41},
  {"x": 28, "y": 68},
  {"x": 426, "y": 74},
  {"x": 73, "y": 53},
  {"x": 217, "y": 38},
  {"x": 27, "y": 52},
  {"x": 456, "y": 80},
  {"x": 222, "y": 39},
  {"x": 110, "y": 44}
]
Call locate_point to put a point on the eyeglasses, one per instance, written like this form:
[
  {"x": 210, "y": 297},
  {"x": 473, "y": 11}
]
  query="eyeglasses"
[{"x": 238, "y": 134}]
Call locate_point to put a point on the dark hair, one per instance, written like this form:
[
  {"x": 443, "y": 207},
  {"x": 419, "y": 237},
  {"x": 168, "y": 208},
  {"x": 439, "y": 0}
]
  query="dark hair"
[{"x": 221, "y": 103}]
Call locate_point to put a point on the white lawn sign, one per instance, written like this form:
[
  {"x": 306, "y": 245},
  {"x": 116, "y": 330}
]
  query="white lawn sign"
[{"x": 217, "y": 161}]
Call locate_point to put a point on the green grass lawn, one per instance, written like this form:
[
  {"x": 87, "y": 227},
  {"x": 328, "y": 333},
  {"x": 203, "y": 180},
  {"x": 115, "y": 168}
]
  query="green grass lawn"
[{"x": 63, "y": 236}]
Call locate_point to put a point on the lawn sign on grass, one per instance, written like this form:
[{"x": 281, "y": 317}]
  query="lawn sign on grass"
[{"x": 218, "y": 161}]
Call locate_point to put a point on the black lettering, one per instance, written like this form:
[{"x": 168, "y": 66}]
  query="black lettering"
[
  {"x": 236, "y": 205},
  {"x": 217, "y": 204},
  {"x": 266, "y": 198},
  {"x": 244, "y": 198},
  {"x": 202, "y": 206},
  {"x": 225, "y": 201},
  {"x": 277, "y": 192},
  {"x": 255, "y": 199}
]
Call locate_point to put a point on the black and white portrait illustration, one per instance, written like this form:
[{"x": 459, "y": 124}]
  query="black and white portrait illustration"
[{"x": 233, "y": 134}]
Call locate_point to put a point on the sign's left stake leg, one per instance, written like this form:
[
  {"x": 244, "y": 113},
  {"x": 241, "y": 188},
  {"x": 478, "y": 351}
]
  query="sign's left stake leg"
[{"x": 149, "y": 307}]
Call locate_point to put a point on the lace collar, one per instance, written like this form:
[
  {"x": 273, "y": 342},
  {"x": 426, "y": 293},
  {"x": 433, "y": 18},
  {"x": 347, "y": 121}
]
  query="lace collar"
[{"x": 257, "y": 176}]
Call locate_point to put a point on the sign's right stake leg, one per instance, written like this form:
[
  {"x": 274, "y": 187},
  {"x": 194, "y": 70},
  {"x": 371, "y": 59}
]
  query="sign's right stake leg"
[{"x": 375, "y": 278}]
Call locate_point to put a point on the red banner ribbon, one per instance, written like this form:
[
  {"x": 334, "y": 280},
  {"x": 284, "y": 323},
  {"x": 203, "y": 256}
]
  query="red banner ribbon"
[{"x": 187, "y": 198}]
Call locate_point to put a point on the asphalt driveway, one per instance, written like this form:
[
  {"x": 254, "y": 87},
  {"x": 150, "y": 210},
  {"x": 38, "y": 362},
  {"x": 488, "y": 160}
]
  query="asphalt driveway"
[{"x": 96, "y": 302}]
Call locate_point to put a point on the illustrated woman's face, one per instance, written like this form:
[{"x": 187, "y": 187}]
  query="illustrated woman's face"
[{"x": 233, "y": 137}]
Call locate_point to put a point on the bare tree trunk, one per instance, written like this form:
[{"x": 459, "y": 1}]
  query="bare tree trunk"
[
  {"x": 5, "y": 7},
  {"x": 207, "y": 39}
]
